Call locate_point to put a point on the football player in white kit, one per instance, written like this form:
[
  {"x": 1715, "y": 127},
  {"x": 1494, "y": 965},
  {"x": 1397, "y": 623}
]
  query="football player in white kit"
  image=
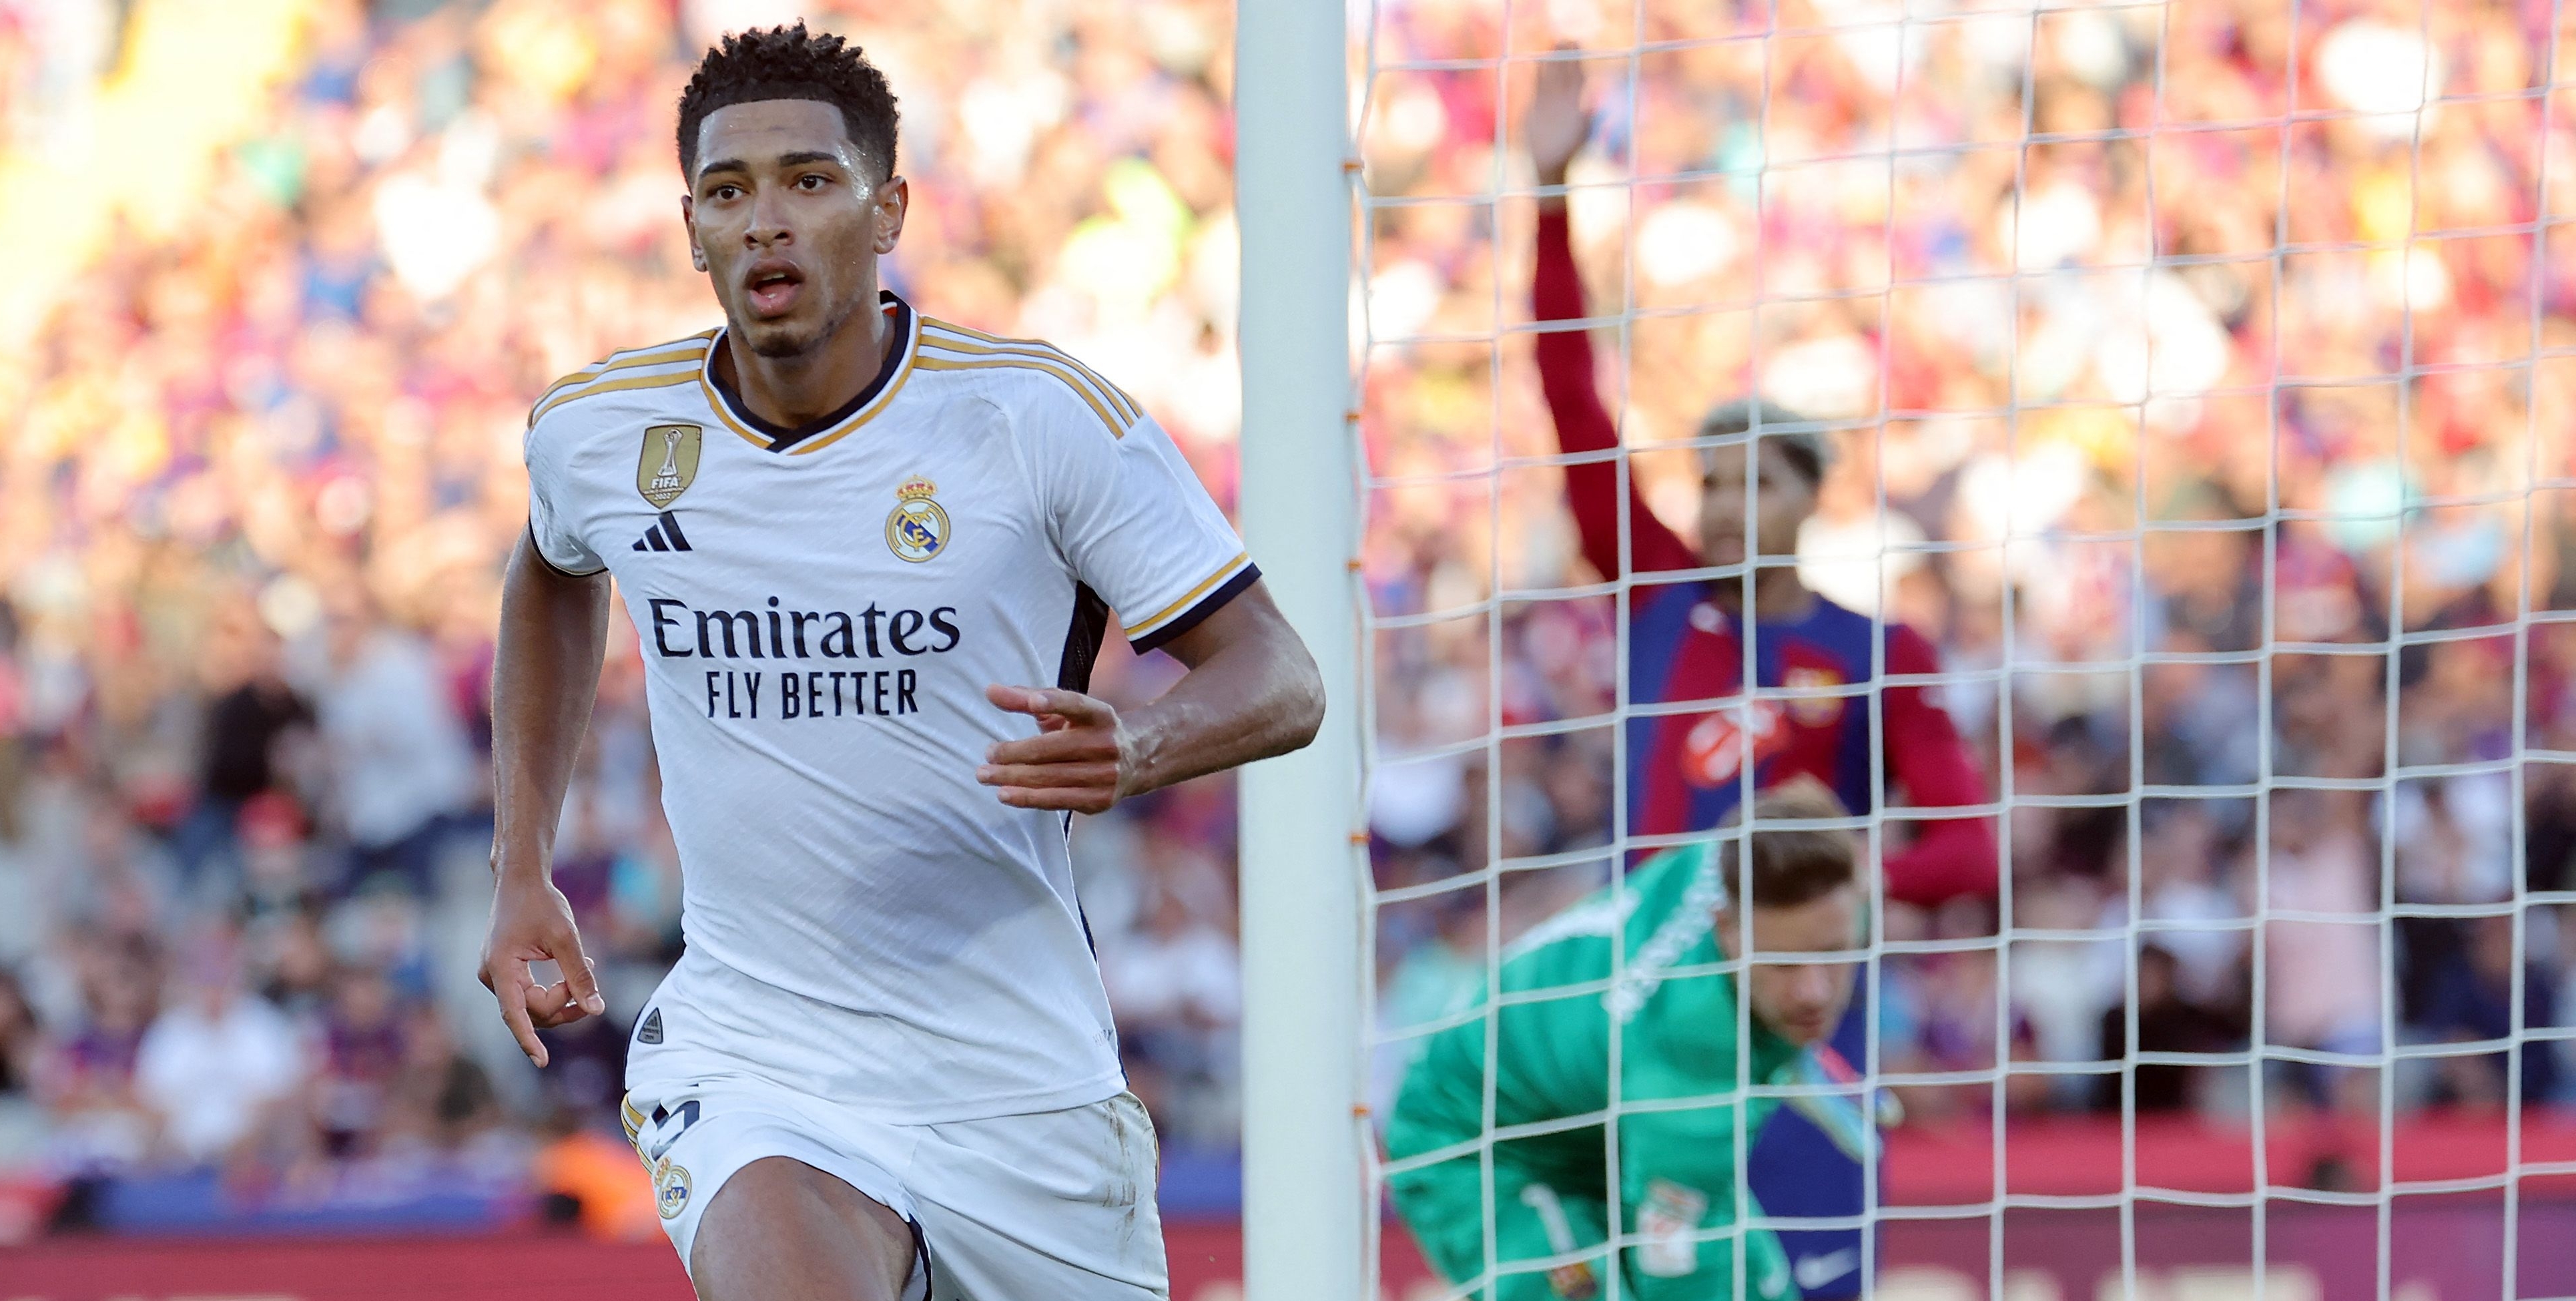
[{"x": 870, "y": 557}]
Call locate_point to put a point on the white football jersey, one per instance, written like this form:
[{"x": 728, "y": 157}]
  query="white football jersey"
[{"x": 820, "y": 612}]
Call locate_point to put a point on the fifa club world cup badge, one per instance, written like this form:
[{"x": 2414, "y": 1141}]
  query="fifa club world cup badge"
[
  {"x": 668, "y": 464},
  {"x": 917, "y": 529}
]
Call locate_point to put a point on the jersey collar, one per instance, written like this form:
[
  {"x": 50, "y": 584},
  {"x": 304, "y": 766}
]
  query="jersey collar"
[{"x": 876, "y": 397}]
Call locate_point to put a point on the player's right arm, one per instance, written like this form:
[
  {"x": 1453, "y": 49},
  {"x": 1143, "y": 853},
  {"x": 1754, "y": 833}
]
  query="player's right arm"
[
  {"x": 1950, "y": 857},
  {"x": 545, "y": 674},
  {"x": 1557, "y": 126}
]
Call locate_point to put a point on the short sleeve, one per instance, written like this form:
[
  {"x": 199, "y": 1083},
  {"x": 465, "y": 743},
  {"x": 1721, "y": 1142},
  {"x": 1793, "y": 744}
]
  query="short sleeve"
[
  {"x": 558, "y": 543},
  {"x": 1136, "y": 524}
]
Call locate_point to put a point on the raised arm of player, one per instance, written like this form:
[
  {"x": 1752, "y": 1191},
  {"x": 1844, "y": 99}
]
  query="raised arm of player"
[
  {"x": 1557, "y": 126},
  {"x": 1251, "y": 692},
  {"x": 1953, "y": 856},
  {"x": 545, "y": 673}
]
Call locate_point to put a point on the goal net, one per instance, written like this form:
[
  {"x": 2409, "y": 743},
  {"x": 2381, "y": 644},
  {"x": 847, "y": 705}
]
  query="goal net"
[{"x": 2154, "y": 539}]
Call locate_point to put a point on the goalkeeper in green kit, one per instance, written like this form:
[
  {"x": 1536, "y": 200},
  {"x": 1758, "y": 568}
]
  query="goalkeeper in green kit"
[{"x": 1681, "y": 1035}]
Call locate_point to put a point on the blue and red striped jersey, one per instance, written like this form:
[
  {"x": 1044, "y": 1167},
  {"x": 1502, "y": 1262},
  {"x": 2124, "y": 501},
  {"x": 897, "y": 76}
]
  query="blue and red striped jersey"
[{"x": 1685, "y": 647}]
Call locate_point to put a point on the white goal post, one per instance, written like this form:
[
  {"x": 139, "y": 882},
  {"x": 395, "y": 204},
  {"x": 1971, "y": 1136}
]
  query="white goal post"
[{"x": 1303, "y": 830}]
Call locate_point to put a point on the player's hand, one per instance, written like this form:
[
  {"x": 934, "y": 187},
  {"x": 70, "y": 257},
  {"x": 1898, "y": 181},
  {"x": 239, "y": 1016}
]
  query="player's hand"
[
  {"x": 1079, "y": 760},
  {"x": 1556, "y": 126},
  {"x": 531, "y": 922}
]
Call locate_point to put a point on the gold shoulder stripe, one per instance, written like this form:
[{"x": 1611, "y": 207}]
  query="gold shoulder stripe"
[
  {"x": 1111, "y": 422},
  {"x": 658, "y": 354},
  {"x": 1127, "y": 406},
  {"x": 690, "y": 349},
  {"x": 1188, "y": 598},
  {"x": 1127, "y": 411},
  {"x": 664, "y": 380},
  {"x": 962, "y": 339},
  {"x": 1033, "y": 345}
]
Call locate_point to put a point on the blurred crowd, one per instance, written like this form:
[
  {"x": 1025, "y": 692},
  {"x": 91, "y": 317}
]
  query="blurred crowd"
[{"x": 2106, "y": 308}]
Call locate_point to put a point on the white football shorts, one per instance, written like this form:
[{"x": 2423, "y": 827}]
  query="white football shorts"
[{"x": 1056, "y": 1204}]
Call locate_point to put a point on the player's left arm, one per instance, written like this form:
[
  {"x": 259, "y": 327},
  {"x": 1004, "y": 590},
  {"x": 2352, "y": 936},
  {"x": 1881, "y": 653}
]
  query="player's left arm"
[
  {"x": 1251, "y": 692},
  {"x": 1950, "y": 857},
  {"x": 1138, "y": 531}
]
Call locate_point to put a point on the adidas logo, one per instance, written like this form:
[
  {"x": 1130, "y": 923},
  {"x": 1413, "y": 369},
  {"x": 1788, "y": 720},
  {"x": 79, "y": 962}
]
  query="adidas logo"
[
  {"x": 665, "y": 536},
  {"x": 652, "y": 1031}
]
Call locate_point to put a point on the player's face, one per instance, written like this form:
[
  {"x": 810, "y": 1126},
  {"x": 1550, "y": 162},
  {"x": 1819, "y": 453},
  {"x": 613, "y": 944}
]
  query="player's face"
[
  {"x": 1802, "y": 1002},
  {"x": 788, "y": 218},
  {"x": 1782, "y": 500}
]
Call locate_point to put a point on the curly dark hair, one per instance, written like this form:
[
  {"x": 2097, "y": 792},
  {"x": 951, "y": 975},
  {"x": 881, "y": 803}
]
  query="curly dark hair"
[{"x": 791, "y": 63}]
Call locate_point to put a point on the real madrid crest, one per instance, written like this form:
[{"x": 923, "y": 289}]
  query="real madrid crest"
[
  {"x": 670, "y": 1188},
  {"x": 916, "y": 529},
  {"x": 668, "y": 464}
]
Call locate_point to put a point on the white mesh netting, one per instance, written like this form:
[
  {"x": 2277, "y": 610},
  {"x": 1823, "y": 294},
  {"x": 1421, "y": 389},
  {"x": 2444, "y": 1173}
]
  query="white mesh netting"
[{"x": 2194, "y": 378}]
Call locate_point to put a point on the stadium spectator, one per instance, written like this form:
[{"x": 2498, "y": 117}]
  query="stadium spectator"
[
  {"x": 1176, "y": 985},
  {"x": 87, "y": 1078},
  {"x": 251, "y": 713},
  {"x": 218, "y": 1063},
  {"x": 2322, "y": 977},
  {"x": 441, "y": 1101},
  {"x": 21, "y": 1039},
  {"x": 2471, "y": 1001},
  {"x": 2168, "y": 1022},
  {"x": 397, "y": 749},
  {"x": 364, "y": 1052},
  {"x": 587, "y": 1178},
  {"x": 2182, "y": 854}
]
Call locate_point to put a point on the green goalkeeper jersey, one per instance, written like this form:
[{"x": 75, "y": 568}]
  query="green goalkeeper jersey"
[{"x": 1677, "y": 1137}]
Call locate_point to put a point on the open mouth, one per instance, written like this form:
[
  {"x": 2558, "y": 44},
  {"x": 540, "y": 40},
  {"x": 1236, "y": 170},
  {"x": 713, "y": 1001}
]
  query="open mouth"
[{"x": 773, "y": 287}]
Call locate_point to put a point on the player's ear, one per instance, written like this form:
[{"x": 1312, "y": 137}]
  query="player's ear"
[
  {"x": 689, "y": 219},
  {"x": 894, "y": 199},
  {"x": 1725, "y": 929}
]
